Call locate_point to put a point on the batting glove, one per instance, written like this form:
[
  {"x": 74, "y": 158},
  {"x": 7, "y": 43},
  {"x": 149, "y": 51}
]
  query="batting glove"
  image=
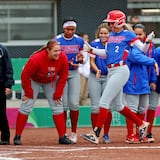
[
  {"x": 87, "y": 47},
  {"x": 150, "y": 37}
]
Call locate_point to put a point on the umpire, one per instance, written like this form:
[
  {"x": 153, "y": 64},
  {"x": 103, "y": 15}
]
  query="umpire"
[{"x": 6, "y": 82}]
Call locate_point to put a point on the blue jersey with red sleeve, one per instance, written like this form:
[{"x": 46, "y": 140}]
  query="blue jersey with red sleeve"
[
  {"x": 71, "y": 47},
  {"x": 119, "y": 45},
  {"x": 100, "y": 61},
  {"x": 157, "y": 58},
  {"x": 141, "y": 68}
]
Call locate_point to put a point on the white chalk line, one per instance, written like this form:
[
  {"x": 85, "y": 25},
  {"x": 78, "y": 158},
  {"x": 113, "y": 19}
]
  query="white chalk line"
[
  {"x": 6, "y": 158},
  {"x": 70, "y": 149},
  {"x": 6, "y": 153}
]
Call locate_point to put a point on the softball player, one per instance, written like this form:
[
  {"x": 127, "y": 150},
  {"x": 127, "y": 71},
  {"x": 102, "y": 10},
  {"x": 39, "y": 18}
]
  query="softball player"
[
  {"x": 118, "y": 46},
  {"x": 72, "y": 45},
  {"x": 47, "y": 67},
  {"x": 97, "y": 78},
  {"x": 137, "y": 88},
  {"x": 153, "y": 99}
]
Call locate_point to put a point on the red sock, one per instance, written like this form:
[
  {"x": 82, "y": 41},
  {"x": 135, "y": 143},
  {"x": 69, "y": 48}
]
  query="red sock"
[
  {"x": 102, "y": 116},
  {"x": 65, "y": 116},
  {"x": 74, "y": 119},
  {"x": 94, "y": 119},
  {"x": 129, "y": 124},
  {"x": 130, "y": 115},
  {"x": 60, "y": 124},
  {"x": 107, "y": 123},
  {"x": 141, "y": 116},
  {"x": 20, "y": 123},
  {"x": 150, "y": 119}
]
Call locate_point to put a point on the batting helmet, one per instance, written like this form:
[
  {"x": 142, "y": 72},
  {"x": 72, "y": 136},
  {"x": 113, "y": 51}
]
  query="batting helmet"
[{"x": 116, "y": 16}]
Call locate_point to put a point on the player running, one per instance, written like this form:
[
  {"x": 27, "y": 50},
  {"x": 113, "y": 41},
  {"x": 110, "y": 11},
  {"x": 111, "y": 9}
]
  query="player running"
[
  {"x": 98, "y": 77},
  {"x": 117, "y": 49}
]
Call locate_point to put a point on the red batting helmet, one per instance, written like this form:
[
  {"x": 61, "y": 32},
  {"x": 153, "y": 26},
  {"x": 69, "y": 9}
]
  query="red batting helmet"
[{"x": 116, "y": 16}]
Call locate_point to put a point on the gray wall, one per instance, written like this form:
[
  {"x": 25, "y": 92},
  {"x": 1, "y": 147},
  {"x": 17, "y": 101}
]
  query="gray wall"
[{"x": 88, "y": 13}]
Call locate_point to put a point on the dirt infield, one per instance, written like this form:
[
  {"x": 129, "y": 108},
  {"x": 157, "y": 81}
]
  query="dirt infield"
[{"x": 42, "y": 144}]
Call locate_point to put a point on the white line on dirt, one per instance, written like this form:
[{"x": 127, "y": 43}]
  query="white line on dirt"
[
  {"x": 25, "y": 149},
  {"x": 6, "y": 158}
]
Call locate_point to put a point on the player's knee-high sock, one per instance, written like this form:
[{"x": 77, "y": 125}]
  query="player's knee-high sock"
[
  {"x": 60, "y": 124},
  {"x": 20, "y": 123},
  {"x": 102, "y": 116},
  {"x": 130, "y": 115},
  {"x": 150, "y": 119},
  {"x": 107, "y": 123},
  {"x": 141, "y": 116},
  {"x": 94, "y": 119},
  {"x": 65, "y": 116},
  {"x": 129, "y": 124},
  {"x": 74, "y": 120}
]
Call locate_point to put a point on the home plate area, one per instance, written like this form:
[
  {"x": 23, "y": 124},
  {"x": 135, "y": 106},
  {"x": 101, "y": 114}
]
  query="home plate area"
[{"x": 42, "y": 144}]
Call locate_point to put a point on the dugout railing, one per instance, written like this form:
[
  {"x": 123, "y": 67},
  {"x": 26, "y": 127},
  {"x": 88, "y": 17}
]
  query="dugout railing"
[{"x": 17, "y": 64}]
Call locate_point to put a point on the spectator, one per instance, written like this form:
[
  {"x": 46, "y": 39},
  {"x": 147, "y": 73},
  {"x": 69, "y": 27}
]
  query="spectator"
[{"x": 134, "y": 20}]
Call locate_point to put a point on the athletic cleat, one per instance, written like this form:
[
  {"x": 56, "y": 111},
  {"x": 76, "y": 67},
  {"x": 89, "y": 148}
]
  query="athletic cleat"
[
  {"x": 150, "y": 138},
  {"x": 106, "y": 139},
  {"x": 2, "y": 142},
  {"x": 65, "y": 140},
  {"x": 73, "y": 137},
  {"x": 17, "y": 140},
  {"x": 132, "y": 139},
  {"x": 143, "y": 130},
  {"x": 91, "y": 137}
]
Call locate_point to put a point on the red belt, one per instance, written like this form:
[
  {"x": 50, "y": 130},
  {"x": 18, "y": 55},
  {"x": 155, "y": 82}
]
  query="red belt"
[{"x": 116, "y": 65}]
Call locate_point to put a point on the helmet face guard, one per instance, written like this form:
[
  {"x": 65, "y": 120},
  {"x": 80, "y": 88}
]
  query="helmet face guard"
[{"x": 117, "y": 17}]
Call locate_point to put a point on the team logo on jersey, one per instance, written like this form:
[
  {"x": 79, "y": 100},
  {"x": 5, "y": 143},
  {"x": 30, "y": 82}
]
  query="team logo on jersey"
[
  {"x": 115, "y": 39},
  {"x": 70, "y": 49},
  {"x": 51, "y": 72}
]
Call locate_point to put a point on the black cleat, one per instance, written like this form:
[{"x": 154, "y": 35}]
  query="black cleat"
[
  {"x": 65, "y": 140},
  {"x": 2, "y": 142},
  {"x": 17, "y": 140},
  {"x": 150, "y": 138}
]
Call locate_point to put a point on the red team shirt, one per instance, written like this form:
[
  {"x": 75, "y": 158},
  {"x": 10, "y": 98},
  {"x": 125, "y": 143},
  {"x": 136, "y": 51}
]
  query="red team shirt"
[{"x": 41, "y": 69}]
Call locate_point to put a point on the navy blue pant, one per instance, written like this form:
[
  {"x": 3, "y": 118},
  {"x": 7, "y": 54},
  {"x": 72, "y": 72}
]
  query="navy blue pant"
[{"x": 4, "y": 126}]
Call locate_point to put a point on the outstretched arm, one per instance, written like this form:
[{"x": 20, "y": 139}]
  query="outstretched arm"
[
  {"x": 144, "y": 46},
  {"x": 100, "y": 52}
]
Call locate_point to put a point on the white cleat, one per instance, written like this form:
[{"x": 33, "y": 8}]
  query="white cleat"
[
  {"x": 143, "y": 130},
  {"x": 73, "y": 137},
  {"x": 91, "y": 137}
]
